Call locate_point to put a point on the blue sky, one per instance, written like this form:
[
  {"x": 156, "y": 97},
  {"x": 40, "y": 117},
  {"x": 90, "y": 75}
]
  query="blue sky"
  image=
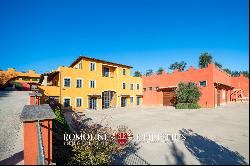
[{"x": 43, "y": 35}]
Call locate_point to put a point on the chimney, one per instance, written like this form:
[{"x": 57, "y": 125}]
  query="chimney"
[{"x": 45, "y": 81}]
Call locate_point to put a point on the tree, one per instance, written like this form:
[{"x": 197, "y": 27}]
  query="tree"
[
  {"x": 5, "y": 77},
  {"x": 218, "y": 64},
  {"x": 235, "y": 73},
  {"x": 187, "y": 93},
  {"x": 245, "y": 73},
  {"x": 160, "y": 70},
  {"x": 178, "y": 65},
  {"x": 228, "y": 71},
  {"x": 137, "y": 74},
  {"x": 205, "y": 59},
  {"x": 149, "y": 72}
]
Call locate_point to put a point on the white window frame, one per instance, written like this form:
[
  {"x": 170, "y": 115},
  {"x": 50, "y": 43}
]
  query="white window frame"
[
  {"x": 203, "y": 81},
  {"x": 80, "y": 65},
  {"x": 81, "y": 102},
  {"x": 125, "y": 85},
  {"x": 94, "y": 84},
  {"x": 125, "y": 71},
  {"x": 90, "y": 66},
  {"x": 133, "y": 87},
  {"x": 130, "y": 99},
  {"x": 64, "y": 82},
  {"x": 69, "y": 101},
  {"x": 81, "y": 84},
  {"x": 137, "y": 86}
]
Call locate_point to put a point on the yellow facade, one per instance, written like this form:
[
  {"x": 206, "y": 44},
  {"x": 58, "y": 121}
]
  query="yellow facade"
[
  {"x": 12, "y": 74},
  {"x": 112, "y": 82}
]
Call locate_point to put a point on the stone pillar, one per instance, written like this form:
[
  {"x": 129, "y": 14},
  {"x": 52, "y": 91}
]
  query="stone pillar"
[{"x": 37, "y": 148}]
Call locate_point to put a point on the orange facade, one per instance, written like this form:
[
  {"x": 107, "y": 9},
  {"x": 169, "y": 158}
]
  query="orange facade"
[{"x": 215, "y": 85}]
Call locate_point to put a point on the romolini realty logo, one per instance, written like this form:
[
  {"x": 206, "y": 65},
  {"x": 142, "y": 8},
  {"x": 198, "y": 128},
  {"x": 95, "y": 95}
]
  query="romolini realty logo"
[{"x": 123, "y": 135}]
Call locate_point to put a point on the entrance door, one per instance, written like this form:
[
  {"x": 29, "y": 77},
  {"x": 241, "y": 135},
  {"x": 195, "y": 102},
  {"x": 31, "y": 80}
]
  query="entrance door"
[
  {"x": 108, "y": 99},
  {"x": 218, "y": 97},
  {"x": 92, "y": 103},
  {"x": 123, "y": 101},
  {"x": 137, "y": 100},
  {"x": 168, "y": 98}
]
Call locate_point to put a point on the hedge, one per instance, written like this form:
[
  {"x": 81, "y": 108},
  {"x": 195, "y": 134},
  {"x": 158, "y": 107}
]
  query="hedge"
[{"x": 187, "y": 106}]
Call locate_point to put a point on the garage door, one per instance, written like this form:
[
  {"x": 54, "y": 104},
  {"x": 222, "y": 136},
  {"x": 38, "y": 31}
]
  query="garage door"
[{"x": 168, "y": 98}]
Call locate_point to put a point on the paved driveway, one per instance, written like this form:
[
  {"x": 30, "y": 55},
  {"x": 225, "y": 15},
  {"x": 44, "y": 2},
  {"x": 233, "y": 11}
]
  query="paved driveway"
[
  {"x": 213, "y": 136},
  {"x": 11, "y": 131}
]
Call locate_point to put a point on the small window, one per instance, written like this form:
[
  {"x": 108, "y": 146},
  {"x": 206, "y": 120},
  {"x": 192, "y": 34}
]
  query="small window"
[
  {"x": 144, "y": 89},
  {"x": 78, "y": 102},
  {"x": 138, "y": 86},
  {"x": 156, "y": 88},
  {"x": 123, "y": 71},
  {"x": 80, "y": 66},
  {"x": 66, "y": 102},
  {"x": 123, "y": 85},
  {"x": 131, "y": 100},
  {"x": 150, "y": 88},
  {"x": 78, "y": 83},
  {"x": 92, "y": 84},
  {"x": 92, "y": 66},
  {"x": 203, "y": 83},
  {"x": 26, "y": 79},
  {"x": 131, "y": 86},
  {"x": 66, "y": 82}
]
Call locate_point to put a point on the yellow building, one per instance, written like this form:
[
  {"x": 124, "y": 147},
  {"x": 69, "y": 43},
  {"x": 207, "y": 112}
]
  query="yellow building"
[
  {"x": 25, "y": 79},
  {"x": 90, "y": 83}
]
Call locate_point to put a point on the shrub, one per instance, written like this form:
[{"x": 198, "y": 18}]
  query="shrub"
[
  {"x": 60, "y": 122},
  {"x": 95, "y": 152},
  {"x": 187, "y": 106},
  {"x": 187, "y": 93},
  {"x": 187, "y": 96}
]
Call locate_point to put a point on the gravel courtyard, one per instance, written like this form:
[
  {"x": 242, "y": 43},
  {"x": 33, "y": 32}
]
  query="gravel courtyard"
[
  {"x": 213, "y": 136},
  {"x": 11, "y": 131}
]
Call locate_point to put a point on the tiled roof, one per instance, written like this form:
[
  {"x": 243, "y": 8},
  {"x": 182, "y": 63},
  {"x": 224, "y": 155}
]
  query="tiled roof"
[{"x": 94, "y": 59}]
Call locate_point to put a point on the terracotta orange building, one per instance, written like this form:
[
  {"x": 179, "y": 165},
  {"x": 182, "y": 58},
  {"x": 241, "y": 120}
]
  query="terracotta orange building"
[{"x": 217, "y": 86}]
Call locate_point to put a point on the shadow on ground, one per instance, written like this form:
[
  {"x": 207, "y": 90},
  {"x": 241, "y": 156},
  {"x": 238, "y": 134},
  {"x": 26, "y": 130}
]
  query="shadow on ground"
[
  {"x": 129, "y": 156},
  {"x": 177, "y": 154},
  {"x": 13, "y": 160},
  {"x": 209, "y": 152},
  {"x": 4, "y": 93}
]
